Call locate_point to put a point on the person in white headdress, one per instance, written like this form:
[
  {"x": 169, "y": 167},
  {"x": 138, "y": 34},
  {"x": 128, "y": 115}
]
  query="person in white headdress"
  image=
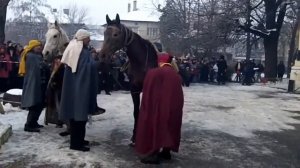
[{"x": 79, "y": 88}]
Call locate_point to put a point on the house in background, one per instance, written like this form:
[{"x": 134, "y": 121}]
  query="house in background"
[
  {"x": 143, "y": 20},
  {"x": 97, "y": 36},
  {"x": 22, "y": 32}
]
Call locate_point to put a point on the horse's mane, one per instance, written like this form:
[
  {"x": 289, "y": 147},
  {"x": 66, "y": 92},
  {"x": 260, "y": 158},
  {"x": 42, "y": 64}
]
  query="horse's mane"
[
  {"x": 138, "y": 37},
  {"x": 152, "y": 59}
]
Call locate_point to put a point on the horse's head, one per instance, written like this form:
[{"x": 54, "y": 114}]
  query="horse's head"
[
  {"x": 114, "y": 37},
  {"x": 56, "y": 41}
]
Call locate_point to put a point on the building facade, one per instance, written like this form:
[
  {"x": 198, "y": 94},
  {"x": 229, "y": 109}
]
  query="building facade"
[{"x": 143, "y": 20}]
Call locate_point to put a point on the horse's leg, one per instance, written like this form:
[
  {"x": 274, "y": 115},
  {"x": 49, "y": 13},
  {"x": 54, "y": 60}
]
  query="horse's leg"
[{"x": 136, "y": 104}]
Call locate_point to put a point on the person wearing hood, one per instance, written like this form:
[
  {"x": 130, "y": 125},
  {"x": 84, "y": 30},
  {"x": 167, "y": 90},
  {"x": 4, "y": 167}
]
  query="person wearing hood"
[
  {"x": 160, "y": 117},
  {"x": 79, "y": 89},
  {"x": 36, "y": 76}
]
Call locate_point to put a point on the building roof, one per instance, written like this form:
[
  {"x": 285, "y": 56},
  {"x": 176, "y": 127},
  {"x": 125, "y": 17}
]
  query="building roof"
[
  {"x": 142, "y": 16},
  {"x": 97, "y": 36}
]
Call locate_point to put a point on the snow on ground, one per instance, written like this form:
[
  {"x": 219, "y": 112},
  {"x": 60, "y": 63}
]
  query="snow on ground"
[{"x": 212, "y": 115}]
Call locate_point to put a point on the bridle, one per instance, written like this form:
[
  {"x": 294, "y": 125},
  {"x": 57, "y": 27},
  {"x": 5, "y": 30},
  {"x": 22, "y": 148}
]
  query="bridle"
[{"x": 129, "y": 38}]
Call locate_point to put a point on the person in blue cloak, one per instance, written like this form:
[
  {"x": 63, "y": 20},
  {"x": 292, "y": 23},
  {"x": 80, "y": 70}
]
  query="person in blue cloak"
[{"x": 79, "y": 88}]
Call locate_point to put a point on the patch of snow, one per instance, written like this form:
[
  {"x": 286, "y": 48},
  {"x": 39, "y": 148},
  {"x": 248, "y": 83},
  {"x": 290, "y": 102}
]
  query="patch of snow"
[
  {"x": 14, "y": 92},
  {"x": 141, "y": 15},
  {"x": 9, "y": 108}
]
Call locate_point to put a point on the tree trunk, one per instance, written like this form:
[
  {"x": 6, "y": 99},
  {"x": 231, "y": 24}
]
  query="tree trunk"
[
  {"x": 271, "y": 45},
  {"x": 248, "y": 41},
  {"x": 3, "y": 9},
  {"x": 271, "y": 42},
  {"x": 293, "y": 44}
]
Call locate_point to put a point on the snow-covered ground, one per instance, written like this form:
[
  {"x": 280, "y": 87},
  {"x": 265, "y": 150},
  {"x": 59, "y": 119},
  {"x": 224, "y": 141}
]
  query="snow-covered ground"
[{"x": 220, "y": 128}]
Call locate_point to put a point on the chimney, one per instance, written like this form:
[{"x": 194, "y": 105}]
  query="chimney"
[
  {"x": 66, "y": 11},
  {"x": 129, "y": 7},
  {"x": 134, "y": 5}
]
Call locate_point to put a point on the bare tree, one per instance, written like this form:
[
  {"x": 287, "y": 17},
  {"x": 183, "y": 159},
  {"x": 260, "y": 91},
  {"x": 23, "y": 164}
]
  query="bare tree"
[
  {"x": 269, "y": 16},
  {"x": 175, "y": 24},
  {"x": 29, "y": 10},
  {"x": 76, "y": 14},
  {"x": 199, "y": 25},
  {"x": 3, "y": 10}
]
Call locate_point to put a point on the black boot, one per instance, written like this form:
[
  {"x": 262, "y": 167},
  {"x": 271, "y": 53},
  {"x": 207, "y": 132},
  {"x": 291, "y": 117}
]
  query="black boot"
[
  {"x": 82, "y": 148},
  {"x": 65, "y": 133},
  {"x": 86, "y": 143},
  {"x": 77, "y": 130},
  {"x": 152, "y": 159},
  {"x": 28, "y": 128},
  {"x": 165, "y": 154},
  {"x": 36, "y": 125}
]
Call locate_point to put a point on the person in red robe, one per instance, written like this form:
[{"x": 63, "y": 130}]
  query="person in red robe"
[{"x": 159, "y": 123}]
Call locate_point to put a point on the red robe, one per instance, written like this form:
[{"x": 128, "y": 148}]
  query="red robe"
[{"x": 160, "y": 118}]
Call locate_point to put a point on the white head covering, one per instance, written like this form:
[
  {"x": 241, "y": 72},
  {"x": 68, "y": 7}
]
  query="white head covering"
[
  {"x": 72, "y": 52},
  {"x": 82, "y": 34}
]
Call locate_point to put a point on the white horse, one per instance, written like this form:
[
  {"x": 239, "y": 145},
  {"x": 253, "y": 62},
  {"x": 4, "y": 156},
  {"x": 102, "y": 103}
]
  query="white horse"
[{"x": 56, "y": 41}]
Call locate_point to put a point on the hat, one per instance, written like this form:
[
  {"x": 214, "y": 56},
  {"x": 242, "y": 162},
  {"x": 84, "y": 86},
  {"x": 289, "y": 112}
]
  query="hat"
[
  {"x": 82, "y": 34},
  {"x": 164, "y": 58},
  {"x": 32, "y": 44}
]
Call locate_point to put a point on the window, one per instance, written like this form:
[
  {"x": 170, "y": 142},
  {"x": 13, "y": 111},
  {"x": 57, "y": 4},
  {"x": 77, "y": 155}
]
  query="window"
[{"x": 152, "y": 32}]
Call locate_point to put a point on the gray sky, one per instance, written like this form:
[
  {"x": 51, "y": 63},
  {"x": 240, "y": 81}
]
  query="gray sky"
[{"x": 97, "y": 9}]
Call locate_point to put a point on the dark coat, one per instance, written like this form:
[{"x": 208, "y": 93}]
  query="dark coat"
[
  {"x": 34, "y": 82},
  {"x": 222, "y": 65},
  {"x": 79, "y": 90},
  {"x": 280, "y": 68}
]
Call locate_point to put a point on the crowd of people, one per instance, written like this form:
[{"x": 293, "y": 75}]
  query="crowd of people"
[
  {"x": 9, "y": 64},
  {"x": 114, "y": 77},
  {"x": 216, "y": 71},
  {"x": 203, "y": 70}
]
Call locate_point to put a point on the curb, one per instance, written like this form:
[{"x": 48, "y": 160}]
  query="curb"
[{"x": 5, "y": 133}]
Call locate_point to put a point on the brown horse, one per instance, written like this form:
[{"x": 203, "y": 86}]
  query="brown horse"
[{"x": 141, "y": 54}]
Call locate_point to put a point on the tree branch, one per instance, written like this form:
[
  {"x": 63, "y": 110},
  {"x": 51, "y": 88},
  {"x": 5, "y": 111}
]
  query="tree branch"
[
  {"x": 278, "y": 3},
  {"x": 281, "y": 16},
  {"x": 254, "y": 31},
  {"x": 258, "y": 21},
  {"x": 4, "y": 3},
  {"x": 257, "y": 5}
]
